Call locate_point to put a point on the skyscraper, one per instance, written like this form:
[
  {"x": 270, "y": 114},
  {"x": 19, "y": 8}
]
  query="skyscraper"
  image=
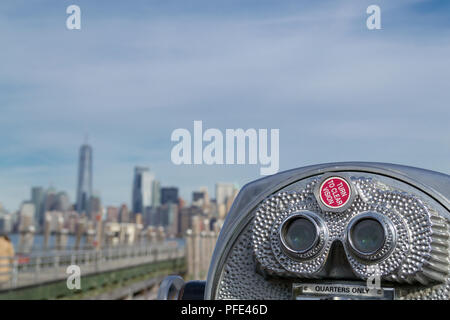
[
  {"x": 169, "y": 195},
  {"x": 84, "y": 189},
  {"x": 62, "y": 202},
  {"x": 225, "y": 194},
  {"x": 156, "y": 194},
  {"x": 197, "y": 196},
  {"x": 26, "y": 213},
  {"x": 224, "y": 191},
  {"x": 142, "y": 189},
  {"x": 38, "y": 199},
  {"x": 124, "y": 214},
  {"x": 95, "y": 205},
  {"x": 112, "y": 214},
  {"x": 50, "y": 200}
]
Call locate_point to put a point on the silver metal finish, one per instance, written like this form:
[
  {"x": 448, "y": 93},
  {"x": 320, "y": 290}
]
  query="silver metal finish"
[
  {"x": 319, "y": 227},
  {"x": 390, "y": 235},
  {"x": 414, "y": 201},
  {"x": 339, "y": 291}
]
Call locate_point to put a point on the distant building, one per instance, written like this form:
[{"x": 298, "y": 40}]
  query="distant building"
[
  {"x": 124, "y": 214},
  {"x": 84, "y": 188},
  {"x": 201, "y": 199},
  {"x": 50, "y": 200},
  {"x": 138, "y": 219},
  {"x": 185, "y": 218},
  {"x": 26, "y": 215},
  {"x": 181, "y": 203},
  {"x": 225, "y": 194},
  {"x": 166, "y": 215},
  {"x": 197, "y": 196},
  {"x": 151, "y": 217},
  {"x": 172, "y": 219},
  {"x": 142, "y": 189},
  {"x": 112, "y": 214},
  {"x": 224, "y": 191},
  {"x": 38, "y": 199},
  {"x": 95, "y": 206},
  {"x": 62, "y": 202},
  {"x": 156, "y": 194},
  {"x": 70, "y": 221},
  {"x": 169, "y": 195}
]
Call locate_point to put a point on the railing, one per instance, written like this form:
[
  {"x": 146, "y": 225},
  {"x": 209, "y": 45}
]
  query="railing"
[{"x": 40, "y": 267}]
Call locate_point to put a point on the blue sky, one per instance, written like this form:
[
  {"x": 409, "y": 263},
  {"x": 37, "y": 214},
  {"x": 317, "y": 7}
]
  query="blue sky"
[{"x": 137, "y": 70}]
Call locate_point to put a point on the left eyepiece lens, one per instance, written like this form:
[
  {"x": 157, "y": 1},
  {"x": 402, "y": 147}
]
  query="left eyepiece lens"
[{"x": 300, "y": 234}]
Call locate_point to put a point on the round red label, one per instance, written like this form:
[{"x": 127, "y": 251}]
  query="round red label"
[{"x": 334, "y": 192}]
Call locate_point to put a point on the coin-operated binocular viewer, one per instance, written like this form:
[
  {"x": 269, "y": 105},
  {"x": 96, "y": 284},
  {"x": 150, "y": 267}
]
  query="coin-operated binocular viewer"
[{"x": 332, "y": 231}]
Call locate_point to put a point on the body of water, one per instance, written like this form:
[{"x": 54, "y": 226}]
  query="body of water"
[{"x": 38, "y": 242}]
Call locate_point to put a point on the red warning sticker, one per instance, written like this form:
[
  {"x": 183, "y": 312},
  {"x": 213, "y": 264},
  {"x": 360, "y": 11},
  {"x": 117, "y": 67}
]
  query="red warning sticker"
[{"x": 335, "y": 192}]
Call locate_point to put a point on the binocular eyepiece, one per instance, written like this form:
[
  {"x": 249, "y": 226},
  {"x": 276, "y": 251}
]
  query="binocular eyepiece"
[{"x": 332, "y": 231}]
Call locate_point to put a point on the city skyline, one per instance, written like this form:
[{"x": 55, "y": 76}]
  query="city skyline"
[
  {"x": 134, "y": 73},
  {"x": 144, "y": 191}
]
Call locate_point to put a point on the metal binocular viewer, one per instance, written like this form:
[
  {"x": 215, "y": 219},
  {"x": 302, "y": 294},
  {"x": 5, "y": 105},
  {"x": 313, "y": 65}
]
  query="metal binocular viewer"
[{"x": 333, "y": 231}]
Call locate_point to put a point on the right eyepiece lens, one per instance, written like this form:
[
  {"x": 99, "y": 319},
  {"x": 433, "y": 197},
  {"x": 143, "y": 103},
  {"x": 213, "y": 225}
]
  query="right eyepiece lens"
[
  {"x": 367, "y": 236},
  {"x": 300, "y": 234}
]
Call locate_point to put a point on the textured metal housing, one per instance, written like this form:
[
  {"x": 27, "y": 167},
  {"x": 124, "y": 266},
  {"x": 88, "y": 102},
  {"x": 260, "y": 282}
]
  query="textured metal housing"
[{"x": 244, "y": 244}]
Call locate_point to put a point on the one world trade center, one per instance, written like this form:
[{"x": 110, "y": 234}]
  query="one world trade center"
[{"x": 84, "y": 189}]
